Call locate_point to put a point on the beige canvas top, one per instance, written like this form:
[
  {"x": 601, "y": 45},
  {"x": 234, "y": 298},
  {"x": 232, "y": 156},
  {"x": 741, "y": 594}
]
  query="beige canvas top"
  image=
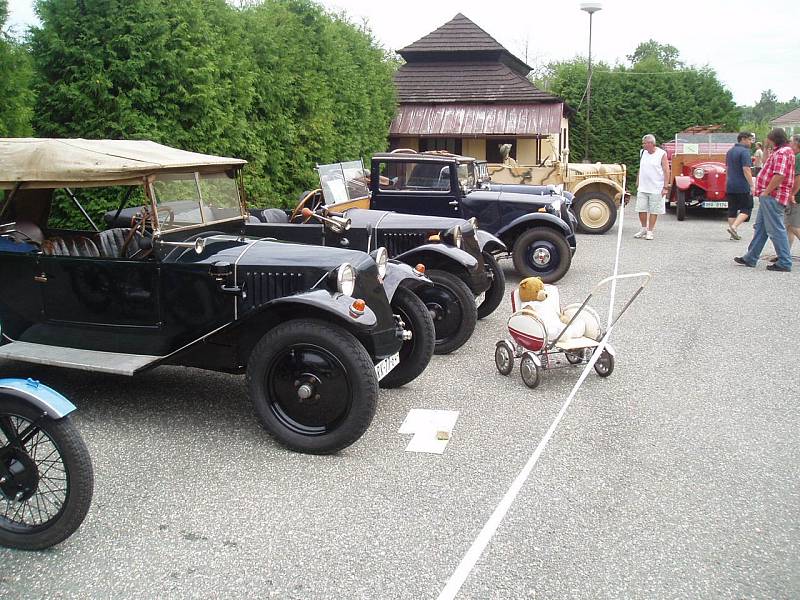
[{"x": 55, "y": 163}]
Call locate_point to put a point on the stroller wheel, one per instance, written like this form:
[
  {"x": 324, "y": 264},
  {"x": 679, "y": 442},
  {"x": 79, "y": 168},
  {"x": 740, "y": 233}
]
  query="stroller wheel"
[
  {"x": 575, "y": 357},
  {"x": 530, "y": 371},
  {"x": 503, "y": 358},
  {"x": 605, "y": 364}
]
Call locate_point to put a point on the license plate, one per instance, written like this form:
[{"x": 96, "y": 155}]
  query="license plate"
[
  {"x": 710, "y": 204},
  {"x": 387, "y": 364},
  {"x": 480, "y": 298}
]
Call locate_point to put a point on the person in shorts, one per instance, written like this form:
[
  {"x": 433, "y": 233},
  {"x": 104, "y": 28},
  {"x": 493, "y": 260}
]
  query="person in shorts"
[
  {"x": 758, "y": 158},
  {"x": 652, "y": 185},
  {"x": 739, "y": 184}
]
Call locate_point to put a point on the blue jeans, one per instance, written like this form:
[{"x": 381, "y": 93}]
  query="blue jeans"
[{"x": 769, "y": 224}]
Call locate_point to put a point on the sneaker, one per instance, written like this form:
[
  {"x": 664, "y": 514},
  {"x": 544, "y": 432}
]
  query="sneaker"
[
  {"x": 648, "y": 235},
  {"x": 777, "y": 267},
  {"x": 641, "y": 234},
  {"x": 742, "y": 261},
  {"x": 734, "y": 234},
  {"x": 773, "y": 259}
]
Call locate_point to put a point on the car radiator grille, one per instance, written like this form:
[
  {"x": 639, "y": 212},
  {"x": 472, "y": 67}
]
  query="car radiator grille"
[
  {"x": 263, "y": 286},
  {"x": 397, "y": 243}
]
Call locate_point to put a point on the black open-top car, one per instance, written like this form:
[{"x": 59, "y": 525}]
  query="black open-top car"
[
  {"x": 536, "y": 227},
  {"x": 467, "y": 282},
  {"x": 312, "y": 327}
]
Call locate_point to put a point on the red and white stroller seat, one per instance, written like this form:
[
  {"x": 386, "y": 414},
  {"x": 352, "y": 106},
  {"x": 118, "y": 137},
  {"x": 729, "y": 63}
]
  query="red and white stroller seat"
[{"x": 534, "y": 324}]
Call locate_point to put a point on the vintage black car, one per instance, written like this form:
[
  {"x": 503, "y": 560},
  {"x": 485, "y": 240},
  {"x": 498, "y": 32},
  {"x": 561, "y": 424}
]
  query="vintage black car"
[
  {"x": 467, "y": 282},
  {"x": 311, "y": 327},
  {"x": 537, "y": 228}
]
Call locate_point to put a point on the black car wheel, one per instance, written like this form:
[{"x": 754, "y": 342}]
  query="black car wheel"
[
  {"x": 494, "y": 295},
  {"x": 542, "y": 252},
  {"x": 452, "y": 307},
  {"x": 596, "y": 212},
  {"x": 313, "y": 386},
  {"x": 415, "y": 354},
  {"x": 46, "y": 477},
  {"x": 680, "y": 205}
]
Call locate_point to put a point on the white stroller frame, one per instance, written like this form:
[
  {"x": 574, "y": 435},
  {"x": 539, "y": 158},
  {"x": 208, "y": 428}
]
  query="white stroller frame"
[{"x": 573, "y": 349}]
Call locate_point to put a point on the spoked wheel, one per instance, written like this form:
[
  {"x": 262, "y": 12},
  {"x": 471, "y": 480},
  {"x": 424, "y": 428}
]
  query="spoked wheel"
[
  {"x": 604, "y": 365},
  {"x": 46, "y": 477},
  {"x": 415, "y": 354},
  {"x": 542, "y": 252},
  {"x": 313, "y": 386},
  {"x": 503, "y": 359},
  {"x": 494, "y": 295},
  {"x": 530, "y": 371},
  {"x": 452, "y": 307}
]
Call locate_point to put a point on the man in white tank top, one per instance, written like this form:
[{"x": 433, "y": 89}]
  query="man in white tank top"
[{"x": 652, "y": 185}]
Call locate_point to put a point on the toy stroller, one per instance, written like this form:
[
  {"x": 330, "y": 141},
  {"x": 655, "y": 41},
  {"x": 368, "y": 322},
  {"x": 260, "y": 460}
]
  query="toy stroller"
[{"x": 575, "y": 331}]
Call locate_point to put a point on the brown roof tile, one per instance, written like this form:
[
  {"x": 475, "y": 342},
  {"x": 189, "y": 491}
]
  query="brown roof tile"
[
  {"x": 457, "y": 35},
  {"x": 475, "y": 81},
  {"x": 789, "y": 118}
]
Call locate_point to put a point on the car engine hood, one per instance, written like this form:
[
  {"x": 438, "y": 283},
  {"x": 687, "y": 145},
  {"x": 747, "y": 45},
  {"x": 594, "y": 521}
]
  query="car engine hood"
[{"x": 397, "y": 221}]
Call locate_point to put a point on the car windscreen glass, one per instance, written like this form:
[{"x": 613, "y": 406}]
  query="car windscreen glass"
[
  {"x": 188, "y": 199},
  {"x": 419, "y": 176},
  {"x": 466, "y": 176},
  {"x": 344, "y": 181}
]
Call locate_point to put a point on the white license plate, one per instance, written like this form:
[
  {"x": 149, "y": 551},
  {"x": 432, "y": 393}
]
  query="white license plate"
[
  {"x": 710, "y": 204},
  {"x": 387, "y": 364},
  {"x": 480, "y": 298}
]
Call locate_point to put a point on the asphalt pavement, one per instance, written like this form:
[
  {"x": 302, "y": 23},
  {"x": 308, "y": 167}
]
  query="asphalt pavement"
[{"x": 676, "y": 477}]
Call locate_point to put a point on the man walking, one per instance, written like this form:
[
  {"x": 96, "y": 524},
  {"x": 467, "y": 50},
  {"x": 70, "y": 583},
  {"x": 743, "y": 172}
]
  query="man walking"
[
  {"x": 773, "y": 188},
  {"x": 739, "y": 184},
  {"x": 652, "y": 186}
]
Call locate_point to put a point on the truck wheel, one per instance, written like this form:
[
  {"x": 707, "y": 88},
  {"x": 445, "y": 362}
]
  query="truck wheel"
[
  {"x": 542, "y": 252},
  {"x": 415, "y": 354},
  {"x": 680, "y": 205},
  {"x": 313, "y": 386},
  {"x": 452, "y": 307},
  {"x": 494, "y": 295},
  {"x": 596, "y": 212}
]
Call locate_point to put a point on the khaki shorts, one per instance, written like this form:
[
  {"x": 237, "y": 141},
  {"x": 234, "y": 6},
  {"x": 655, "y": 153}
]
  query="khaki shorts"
[
  {"x": 650, "y": 203},
  {"x": 793, "y": 215}
]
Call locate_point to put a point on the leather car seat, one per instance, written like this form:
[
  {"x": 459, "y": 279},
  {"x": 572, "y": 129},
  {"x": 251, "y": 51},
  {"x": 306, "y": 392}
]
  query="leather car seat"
[
  {"x": 79, "y": 247},
  {"x": 112, "y": 241},
  {"x": 273, "y": 215}
]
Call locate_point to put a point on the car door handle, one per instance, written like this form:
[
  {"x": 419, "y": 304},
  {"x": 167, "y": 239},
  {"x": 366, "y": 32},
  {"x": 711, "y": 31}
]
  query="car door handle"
[
  {"x": 453, "y": 203},
  {"x": 40, "y": 278}
]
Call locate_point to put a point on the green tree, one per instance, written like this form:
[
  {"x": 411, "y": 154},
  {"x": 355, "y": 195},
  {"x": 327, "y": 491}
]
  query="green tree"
[
  {"x": 16, "y": 76},
  {"x": 651, "y": 54}
]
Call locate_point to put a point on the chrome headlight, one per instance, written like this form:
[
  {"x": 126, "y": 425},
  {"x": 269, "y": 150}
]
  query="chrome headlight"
[
  {"x": 346, "y": 279},
  {"x": 457, "y": 236},
  {"x": 699, "y": 173},
  {"x": 474, "y": 222},
  {"x": 381, "y": 257}
]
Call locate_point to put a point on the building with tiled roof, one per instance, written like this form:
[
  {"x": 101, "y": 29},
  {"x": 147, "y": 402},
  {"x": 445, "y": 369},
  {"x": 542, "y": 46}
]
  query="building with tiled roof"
[
  {"x": 460, "y": 90},
  {"x": 790, "y": 122}
]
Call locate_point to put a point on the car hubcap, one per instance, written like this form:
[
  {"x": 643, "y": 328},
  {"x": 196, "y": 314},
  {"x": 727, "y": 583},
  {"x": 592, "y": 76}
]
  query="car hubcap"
[
  {"x": 22, "y": 479},
  {"x": 309, "y": 389},
  {"x": 541, "y": 256},
  {"x": 445, "y": 311},
  {"x": 594, "y": 213}
]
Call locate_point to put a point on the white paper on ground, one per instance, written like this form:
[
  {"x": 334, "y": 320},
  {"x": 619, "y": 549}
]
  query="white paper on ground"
[{"x": 423, "y": 424}]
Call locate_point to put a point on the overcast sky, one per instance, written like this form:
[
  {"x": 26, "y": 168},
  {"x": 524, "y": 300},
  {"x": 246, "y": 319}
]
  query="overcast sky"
[{"x": 735, "y": 37}]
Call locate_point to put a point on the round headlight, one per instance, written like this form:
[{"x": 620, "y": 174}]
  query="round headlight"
[
  {"x": 346, "y": 279},
  {"x": 458, "y": 236},
  {"x": 474, "y": 222},
  {"x": 699, "y": 173},
  {"x": 381, "y": 258}
]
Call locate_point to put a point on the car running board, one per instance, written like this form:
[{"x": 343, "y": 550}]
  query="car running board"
[{"x": 73, "y": 358}]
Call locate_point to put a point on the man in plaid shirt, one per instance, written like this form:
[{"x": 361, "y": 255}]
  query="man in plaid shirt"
[{"x": 773, "y": 188}]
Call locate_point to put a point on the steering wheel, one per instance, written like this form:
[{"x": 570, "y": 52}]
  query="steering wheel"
[
  {"x": 139, "y": 223},
  {"x": 300, "y": 205},
  {"x": 170, "y": 218},
  {"x": 6, "y": 228}
]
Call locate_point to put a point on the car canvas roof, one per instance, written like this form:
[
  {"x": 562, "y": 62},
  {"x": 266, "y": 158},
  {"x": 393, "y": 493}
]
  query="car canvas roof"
[
  {"x": 53, "y": 163},
  {"x": 417, "y": 156}
]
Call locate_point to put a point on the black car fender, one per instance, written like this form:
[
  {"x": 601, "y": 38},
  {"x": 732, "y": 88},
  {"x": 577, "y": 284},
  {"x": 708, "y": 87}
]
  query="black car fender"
[
  {"x": 42, "y": 397},
  {"x": 489, "y": 243},
  {"x": 440, "y": 253},
  {"x": 402, "y": 274},
  {"x": 337, "y": 306},
  {"x": 533, "y": 220}
]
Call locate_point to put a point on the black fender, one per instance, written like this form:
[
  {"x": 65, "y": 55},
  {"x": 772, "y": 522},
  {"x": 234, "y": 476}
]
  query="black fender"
[
  {"x": 534, "y": 219},
  {"x": 443, "y": 251},
  {"x": 337, "y": 305},
  {"x": 39, "y": 395},
  {"x": 489, "y": 243},
  {"x": 401, "y": 274}
]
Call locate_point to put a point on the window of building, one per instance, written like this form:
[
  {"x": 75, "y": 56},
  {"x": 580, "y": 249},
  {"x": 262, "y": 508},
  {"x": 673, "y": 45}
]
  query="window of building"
[
  {"x": 451, "y": 145},
  {"x": 493, "y": 149}
]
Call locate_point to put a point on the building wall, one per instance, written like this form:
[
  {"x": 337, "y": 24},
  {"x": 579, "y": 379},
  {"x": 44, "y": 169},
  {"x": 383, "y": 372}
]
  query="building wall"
[
  {"x": 474, "y": 147},
  {"x": 403, "y": 142}
]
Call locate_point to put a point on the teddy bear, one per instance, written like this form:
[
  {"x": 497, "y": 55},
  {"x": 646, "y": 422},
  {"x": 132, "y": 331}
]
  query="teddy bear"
[{"x": 535, "y": 298}]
